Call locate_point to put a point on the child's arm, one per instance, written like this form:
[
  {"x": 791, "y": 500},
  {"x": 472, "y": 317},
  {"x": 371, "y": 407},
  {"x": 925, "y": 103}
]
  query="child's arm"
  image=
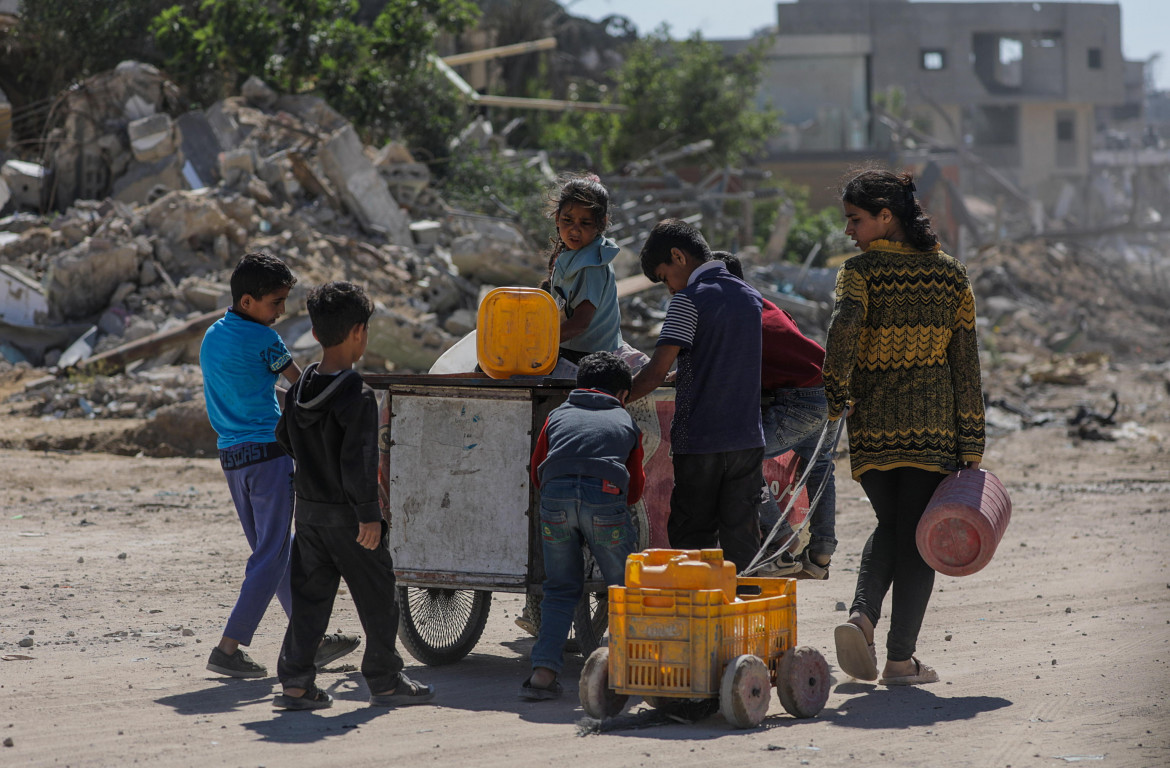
[
  {"x": 358, "y": 459},
  {"x": 576, "y": 324},
  {"x": 637, "y": 473},
  {"x": 292, "y": 372},
  {"x": 654, "y": 372}
]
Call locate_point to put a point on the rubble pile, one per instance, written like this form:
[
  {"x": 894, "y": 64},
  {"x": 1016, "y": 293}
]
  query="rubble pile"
[{"x": 111, "y": 296}]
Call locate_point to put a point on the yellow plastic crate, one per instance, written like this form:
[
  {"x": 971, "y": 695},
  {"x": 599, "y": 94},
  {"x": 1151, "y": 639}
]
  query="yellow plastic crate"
[{"x": 676, "y": 642}]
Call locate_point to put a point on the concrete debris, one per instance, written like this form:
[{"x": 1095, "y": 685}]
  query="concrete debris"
[{"x": 154, "y": 208}]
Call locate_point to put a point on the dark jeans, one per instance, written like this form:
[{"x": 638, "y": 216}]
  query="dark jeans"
[
  {"x": 899, "y": 497},
  {"x": 715, "y": 502},
  {"x": 321, "y": 557}
]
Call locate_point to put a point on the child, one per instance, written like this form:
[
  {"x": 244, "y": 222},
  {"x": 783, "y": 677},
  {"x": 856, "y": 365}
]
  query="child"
[
  {"x": 241, "y": 358},
  {"x": 902, "y": 362},
  {"x": 712, "y": 328},
  {"x": 329, "y": 426},
  {"x": 580, "y": 270},
  {"x": 588, "y": 467},
  {"x": 582, "y": 280},
  {"x": 793, "y": 409}
]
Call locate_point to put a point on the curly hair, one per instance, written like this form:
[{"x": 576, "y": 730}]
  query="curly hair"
[
  {"x": 605, "y": 371},
  {"x": 335, "y": 308},
  {"x": 872, "y": 190}
]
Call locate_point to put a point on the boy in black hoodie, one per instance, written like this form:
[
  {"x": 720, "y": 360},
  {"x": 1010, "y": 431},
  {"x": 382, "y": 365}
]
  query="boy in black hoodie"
[{"x": 329, "y": 426}]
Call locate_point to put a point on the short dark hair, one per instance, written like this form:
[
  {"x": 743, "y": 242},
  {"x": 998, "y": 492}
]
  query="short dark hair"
[
  {"x": 731, "y": 261},
  {"x": 335, "y": 308},
  {"x": 605, "y": 371},
  {"x": 259, "y": 274},
  {"x": 668, "y": 234}
]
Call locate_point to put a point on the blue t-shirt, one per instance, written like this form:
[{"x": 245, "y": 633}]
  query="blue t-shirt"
[
  {"x": 716, "y": 321},
  {"x": 587, "y": 275},
  {"x": 241, "y": 360}
]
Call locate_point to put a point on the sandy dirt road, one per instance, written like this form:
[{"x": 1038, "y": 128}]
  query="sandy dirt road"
[{"x": 122, "y": 571}]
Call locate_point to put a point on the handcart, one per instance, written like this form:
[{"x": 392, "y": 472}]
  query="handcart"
[
  {"x": 685, "y": 628},
  {"x": 463, "y": 515}
]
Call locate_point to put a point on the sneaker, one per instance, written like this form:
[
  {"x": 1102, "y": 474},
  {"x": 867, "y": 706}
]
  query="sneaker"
[
  {"x": 334, "y": 647},
  {"x": 238, "y": 664},
  {"x": 783, "y": 565}
]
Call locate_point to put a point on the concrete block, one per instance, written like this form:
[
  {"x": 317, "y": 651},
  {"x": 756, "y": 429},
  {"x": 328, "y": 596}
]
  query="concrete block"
[
  {"x": 236, "y": 164},
  {"x": 5, "y": 195},
  {"x": 200, "y": 146},
  {"x": 257, "y": 93},
  {"x": 81, "y": 280},
  {"x": 361, "y": 189},
  {"x": 26, "y": 182},
  {"x": 146, "y": 182},
  {"x": 406, "y": 180},
  {"x": 425, "y": 233},
  {"x": 152, "y": 138},
  {"x": 22, "y": 301}
]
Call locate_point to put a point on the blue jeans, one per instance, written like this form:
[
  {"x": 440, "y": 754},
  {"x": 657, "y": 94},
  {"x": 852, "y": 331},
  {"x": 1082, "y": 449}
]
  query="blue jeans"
[
  {"x": 793, "y": 422},
  {"x": 574, "y": 511}
]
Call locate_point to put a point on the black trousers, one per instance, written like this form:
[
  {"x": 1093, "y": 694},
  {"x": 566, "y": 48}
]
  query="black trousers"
[
  {"x": 890, "y": 557},
  {"x": 321, "y": 557},
  {"x": 715, "y": 502}
]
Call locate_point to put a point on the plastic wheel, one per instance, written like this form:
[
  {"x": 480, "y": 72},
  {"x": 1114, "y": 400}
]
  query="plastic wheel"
[
  {"x": 745, "y": 691},
  {"x": 597, "y": 698},
  {"x": 802, "y": 681},
  {"x": 441, "y": 626}
]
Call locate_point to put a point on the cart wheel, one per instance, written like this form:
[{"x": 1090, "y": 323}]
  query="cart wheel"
[
  {"x": 802, "y": 681},
  {"x": 745, "y": 692},
  {"x": 688, "y": 709},
  {"x": 591, "y": 616},
  {"x": 597, "y": 698},
  {"x": 441, "y": 626}
]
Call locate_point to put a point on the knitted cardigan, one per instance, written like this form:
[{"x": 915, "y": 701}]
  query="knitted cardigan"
[{"x": 902, "y": 348}]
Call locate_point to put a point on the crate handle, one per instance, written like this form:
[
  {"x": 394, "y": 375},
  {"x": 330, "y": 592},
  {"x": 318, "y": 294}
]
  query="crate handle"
[{"x": 658, "y": 601}]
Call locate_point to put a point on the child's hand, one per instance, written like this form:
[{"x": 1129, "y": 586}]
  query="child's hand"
[{"x": 369, "y": 534}]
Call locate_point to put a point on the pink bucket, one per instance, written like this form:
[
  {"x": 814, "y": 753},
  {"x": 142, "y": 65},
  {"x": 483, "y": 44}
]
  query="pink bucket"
[{"x": 964, "y": 522}]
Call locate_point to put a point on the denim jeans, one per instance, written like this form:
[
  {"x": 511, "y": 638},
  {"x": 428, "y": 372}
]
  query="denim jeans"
[
  {"x": 575, "y": 511},
  {"x": 793, "y": 422}
]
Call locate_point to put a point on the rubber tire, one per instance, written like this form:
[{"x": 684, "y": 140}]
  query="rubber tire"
[
  {"x": 745, "y": 691},
  {"x": 597, "y": 698},
  {"x": 802, "y": 681},
  {"x": 440, "y": 626}
]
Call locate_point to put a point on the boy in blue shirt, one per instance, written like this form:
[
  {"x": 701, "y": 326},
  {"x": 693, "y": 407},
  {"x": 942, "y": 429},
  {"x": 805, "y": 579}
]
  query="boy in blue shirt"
[
  {"x": 713, "y": 329},
  {"x": 588, "y": 467},
  {"x": 241, "y": 358}
]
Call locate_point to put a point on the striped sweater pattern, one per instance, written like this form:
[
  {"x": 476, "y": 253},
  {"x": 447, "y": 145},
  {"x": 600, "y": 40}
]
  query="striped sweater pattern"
[{"x": 902, "y": 347}]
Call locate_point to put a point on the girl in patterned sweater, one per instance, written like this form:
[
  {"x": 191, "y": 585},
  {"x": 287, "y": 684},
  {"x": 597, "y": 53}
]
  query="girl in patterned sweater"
[{"x": 902, "y": 362}]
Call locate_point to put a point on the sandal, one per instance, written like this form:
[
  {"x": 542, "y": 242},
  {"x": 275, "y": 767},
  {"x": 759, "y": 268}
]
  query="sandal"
[
  {"x": 810, "y": 570},
  {"x": 922, "y": 675},
  {"x": 530, "y": 692},
  {"x": 857, "y": 658},
  {"x": 313, "y": 698},
  {"x": 407, "y": 693}
]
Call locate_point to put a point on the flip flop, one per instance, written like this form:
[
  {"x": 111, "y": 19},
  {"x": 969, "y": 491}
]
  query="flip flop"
[
  {"x": 530, "y": 692},
  {"x": 922, "y": 675},
  {"x": 313, "y": 698},
  {"x": 857, "y": 658}
]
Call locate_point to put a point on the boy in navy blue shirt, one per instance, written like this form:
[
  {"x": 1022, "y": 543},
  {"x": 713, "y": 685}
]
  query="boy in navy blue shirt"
[
  {"x": 588, "y": 467},
  {"x": 713, "y": 329},
  {"x": 241, "y": 358}
]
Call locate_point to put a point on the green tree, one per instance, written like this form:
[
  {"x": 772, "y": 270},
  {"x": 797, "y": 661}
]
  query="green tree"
[
  {"x": 376, "y": 75},
  {"x": 676, "y": 92}
]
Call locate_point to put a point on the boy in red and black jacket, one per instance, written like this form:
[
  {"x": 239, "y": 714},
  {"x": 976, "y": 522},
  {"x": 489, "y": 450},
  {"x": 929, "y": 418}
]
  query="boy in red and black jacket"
[{"x": 588, "y": 467}]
